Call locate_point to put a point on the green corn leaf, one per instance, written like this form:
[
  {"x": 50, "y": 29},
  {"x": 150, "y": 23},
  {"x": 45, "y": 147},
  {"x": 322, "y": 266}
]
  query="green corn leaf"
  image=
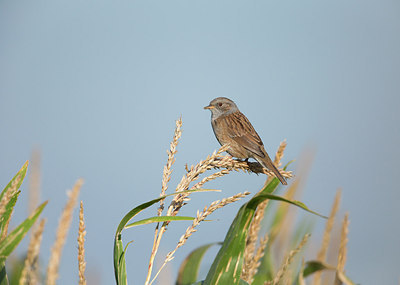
[
  {"x": 241, "y": 282},
  {"x": 3, "y": 274},
  {"x": 227, "y": 265},
  {"x": 20, "y": 175},
  {"x": 145, "y": 205},
  {"x": 13, "y": 239},
  {"x": 8, "y": 211},
  {"x": 158, "y": 219},
  {"x": 119, "y": 263},
  {"x": 293, "y": 202},
  {"x": 266, "y": 270},
  {"x": 119, "y": 253},
  {"x": 313, "y": 266},
  {"x": 9, "y": 207},
  {"x": 189, "y": 269}
]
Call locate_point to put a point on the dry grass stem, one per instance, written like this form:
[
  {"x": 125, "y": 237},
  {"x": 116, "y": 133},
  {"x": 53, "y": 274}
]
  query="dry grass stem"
[
  {"x": 343, "y": 243},
  {"x": 61, "y": 235},
  {"x": 164, "y": 186},
  {"x": 201, "y": 216},
  {"x": 34, "y": 181},
  {"x": 288, "y": 260},
  {"x": 210, "y": 177},
  {"x": 233, "y": 164},
  {"x": 287, "y": 278},
  {"x": 170, "y": 161},
  {"x": 328, "y": 228},
  {"x": 321, "y": 256},
  {"x": 254, "y": 263},
  {"x": 284, "y": 227},
  {"x": 279, "y": 153},
  {"x": 342, "y": 250},
  {"x": 252, "y": 238},
  {"x": 256, "y": 223},
  {"x": 81, "y": 247},
  {"x": 201, "y": 167},
  {"x": 179, "y": 200},
  {"x": 29, "y": 274},
  {"x": 278, "y": 159},
  {"x": 4, "y": 202},
  {"x": 301, "y": 273},
  {"x": 229, "y": 163},
  {"x": 216, "y": 160}
]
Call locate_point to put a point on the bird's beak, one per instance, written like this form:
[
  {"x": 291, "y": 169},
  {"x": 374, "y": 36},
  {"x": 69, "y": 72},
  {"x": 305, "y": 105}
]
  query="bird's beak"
[{"x": 209, "y": 107}]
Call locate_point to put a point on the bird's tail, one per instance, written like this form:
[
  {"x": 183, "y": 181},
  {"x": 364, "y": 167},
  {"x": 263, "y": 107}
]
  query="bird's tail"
[{"x": 267, "y": 163}]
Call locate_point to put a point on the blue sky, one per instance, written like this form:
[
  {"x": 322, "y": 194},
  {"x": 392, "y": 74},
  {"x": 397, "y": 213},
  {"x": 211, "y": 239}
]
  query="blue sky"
[{"x": 97, "y": 86}]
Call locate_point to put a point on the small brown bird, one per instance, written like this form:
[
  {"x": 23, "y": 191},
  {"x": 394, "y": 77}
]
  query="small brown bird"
[{"x": 231, "y": 127}]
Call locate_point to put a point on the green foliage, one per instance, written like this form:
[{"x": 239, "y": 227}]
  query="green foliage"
[
  {"x": 20, "y": 175},
  {"x": 11, "y": 241},
  {"x": 8, "y": 211},
  {"x": 9, "y": 207},
  {"x": 189, "y": 269},
  {"x": 120, "y": 251},
  {"x": 15, "y": 266},
  {"x": 3, "y": 274},
  {"x": 158, "y": 219},
  {"x": 313, "y": 266},
  {"x": 295, "y": 203},
  {"x": 227, "y": 266}
]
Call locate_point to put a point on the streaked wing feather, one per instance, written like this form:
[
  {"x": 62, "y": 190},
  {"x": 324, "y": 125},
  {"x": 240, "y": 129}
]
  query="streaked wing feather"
[{"x": 240, "y": 130}]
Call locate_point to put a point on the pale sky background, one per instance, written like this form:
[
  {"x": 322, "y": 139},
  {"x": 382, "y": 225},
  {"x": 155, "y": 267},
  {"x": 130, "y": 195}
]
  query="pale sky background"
[{"x": 97, "y": 86}]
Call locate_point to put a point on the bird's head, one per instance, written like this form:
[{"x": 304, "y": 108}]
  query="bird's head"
[{"x": 221, "y": 106}]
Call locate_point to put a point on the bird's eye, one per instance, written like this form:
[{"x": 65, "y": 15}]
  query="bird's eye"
[{"x": 220, "y": 104}]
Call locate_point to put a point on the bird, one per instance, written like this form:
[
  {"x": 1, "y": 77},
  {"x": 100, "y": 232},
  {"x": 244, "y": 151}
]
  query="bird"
[{"x": 231, "y": 127}]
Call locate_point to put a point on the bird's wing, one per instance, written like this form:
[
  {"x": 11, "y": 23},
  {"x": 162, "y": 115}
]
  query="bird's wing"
[{"x": 240, "y": 130}]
